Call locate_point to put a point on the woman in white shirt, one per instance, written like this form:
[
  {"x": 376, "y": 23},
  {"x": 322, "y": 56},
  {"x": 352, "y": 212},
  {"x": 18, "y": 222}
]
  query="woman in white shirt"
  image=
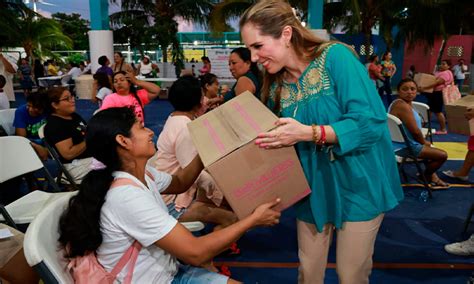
[
  {"x": 108, "y": 219},
  {"x": 101, "y": 87},
  {"x": 146, "y": 67}
]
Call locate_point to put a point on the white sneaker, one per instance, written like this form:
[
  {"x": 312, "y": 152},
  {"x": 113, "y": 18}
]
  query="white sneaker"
[
  {"x": 450, "y": 174},
  {"x": 465, "y": 248}
]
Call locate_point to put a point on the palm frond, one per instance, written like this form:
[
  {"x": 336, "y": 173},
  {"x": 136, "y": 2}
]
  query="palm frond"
[{"x": 226, "y": 10}]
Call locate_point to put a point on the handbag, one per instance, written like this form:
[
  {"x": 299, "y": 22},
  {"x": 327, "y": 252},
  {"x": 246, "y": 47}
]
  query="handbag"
[{"x": 451, "y": 94}]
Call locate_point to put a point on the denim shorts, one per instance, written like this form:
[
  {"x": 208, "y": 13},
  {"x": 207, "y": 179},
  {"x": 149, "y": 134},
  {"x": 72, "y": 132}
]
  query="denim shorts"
[
  {"x": 173, "y": 212},
  {"x": 188, "y": 274},
  {"x": 405, "y": 153}
]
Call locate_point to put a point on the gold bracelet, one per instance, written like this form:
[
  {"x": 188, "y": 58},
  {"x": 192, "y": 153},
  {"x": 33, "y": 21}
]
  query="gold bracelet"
[{"x": 315, "y": 133}]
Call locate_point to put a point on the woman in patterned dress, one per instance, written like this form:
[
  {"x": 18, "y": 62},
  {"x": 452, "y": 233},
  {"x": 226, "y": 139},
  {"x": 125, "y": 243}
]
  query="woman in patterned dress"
[{"x": 330, "y": 112}]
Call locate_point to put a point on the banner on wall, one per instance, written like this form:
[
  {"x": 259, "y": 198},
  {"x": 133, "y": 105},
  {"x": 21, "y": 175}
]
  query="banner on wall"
[{"x": 220, "y": 62}]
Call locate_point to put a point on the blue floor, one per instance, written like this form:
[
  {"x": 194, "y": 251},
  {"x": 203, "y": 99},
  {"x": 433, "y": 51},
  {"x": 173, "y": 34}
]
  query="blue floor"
[{"x": 393, "y": 276}]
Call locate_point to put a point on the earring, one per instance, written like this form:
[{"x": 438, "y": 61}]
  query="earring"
[{"x": 287, "y": 44}]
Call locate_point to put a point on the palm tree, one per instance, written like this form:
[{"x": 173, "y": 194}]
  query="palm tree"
[
  {"x": 39, "y": 35},
  {"x": 10, "y": 13},
  {"x": 426, "y": 20},
  {"x": 418, "y": 21},
  {"x": 361, "y": 16},
  {"x": 233, "y": 9},
  {"x": 161, "y": 17},
  {"x": 23, "y": 27}
]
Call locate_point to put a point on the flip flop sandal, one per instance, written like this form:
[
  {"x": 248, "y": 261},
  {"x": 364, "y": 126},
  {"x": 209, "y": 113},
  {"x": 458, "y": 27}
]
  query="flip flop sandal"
[
  {"x": 437, "y": 185},
  {"x": 224, "y": 270},
  {"x": 233, "y": 250}
]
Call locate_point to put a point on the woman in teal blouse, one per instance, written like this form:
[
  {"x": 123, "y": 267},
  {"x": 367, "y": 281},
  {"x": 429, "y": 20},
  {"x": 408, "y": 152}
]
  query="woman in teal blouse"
[{"x": 332, "y": 114}]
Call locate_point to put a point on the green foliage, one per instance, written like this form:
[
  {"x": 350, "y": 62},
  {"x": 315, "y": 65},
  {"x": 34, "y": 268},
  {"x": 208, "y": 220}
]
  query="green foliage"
[
  {"x": 418, "y": 21},
  {"x": 75, "y": 28},
  {"x": 36, "y": 34},
  {"x": 75, "y": 58},
  {"x": 11, "y": 11},
  {"x": 152, "y": 22},
  {"x": 227, "y": 10}
]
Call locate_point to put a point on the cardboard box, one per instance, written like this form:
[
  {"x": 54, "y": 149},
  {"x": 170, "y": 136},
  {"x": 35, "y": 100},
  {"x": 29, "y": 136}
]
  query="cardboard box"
[
  {"x": 247, "y": 175},
  {"x": 457, "y": 123},
  {"x": 423, "y": 79}
]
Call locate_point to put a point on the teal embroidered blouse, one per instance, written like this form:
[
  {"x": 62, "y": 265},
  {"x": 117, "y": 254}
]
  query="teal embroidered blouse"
[{"x": 357, "y": 178}]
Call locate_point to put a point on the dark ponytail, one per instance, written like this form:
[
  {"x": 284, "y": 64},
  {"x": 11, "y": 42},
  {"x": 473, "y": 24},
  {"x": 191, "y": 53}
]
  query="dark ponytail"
[{"x": 79, "y": 225}]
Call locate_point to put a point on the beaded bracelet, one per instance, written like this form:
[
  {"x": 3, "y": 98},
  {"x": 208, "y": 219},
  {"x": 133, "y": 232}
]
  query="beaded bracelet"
[{"x": 315, "y": 133}]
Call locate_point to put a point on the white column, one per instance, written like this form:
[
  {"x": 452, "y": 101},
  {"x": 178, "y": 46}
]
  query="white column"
[
  {"x": 101, "y": 42},
  {"x": 320, "y": 33}
]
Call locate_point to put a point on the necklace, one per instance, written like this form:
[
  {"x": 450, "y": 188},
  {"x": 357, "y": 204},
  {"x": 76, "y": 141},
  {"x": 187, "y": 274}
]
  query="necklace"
[{"x": 296, "y": 98}]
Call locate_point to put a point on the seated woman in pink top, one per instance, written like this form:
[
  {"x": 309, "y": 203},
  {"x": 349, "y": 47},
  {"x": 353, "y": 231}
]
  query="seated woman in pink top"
[
  {"x": 126, "y": 95},
  {"x": 203, "y": 200}
]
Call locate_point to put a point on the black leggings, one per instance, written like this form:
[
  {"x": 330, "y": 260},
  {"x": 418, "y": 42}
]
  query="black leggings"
[
  {"x": 435, "y": 101},
  {"x": 386, "y": 88}
]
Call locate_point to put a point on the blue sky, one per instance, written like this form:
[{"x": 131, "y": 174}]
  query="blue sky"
[
  {"x": 65, "y": 6},
  {"x": 82, "y": 7}
]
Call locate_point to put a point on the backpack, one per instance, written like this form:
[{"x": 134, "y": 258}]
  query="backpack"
[{"x": 87, "y": 269}]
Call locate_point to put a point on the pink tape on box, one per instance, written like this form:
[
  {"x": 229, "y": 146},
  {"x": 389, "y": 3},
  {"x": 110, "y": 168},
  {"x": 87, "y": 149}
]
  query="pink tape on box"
[
  {"x": 238, "y": 107},
  {"x": 214, "y": 136}
]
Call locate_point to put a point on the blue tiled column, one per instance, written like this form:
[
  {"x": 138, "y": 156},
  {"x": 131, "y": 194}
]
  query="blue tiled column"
[
  {"x": 315, "y": 14},
  {"x": 99, "y": 10},
  {"x": 315, "y": 18},
  {"x": 101, "y": 39}
]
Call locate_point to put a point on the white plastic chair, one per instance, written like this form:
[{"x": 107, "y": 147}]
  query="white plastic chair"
[
  {"x": 398, "y": 134},
  {"x": 41, "y": 245},
  {"x": 424, "y": 111},
  {"x": 17, "y": 157},
  {"x": 6, "y": 120},
  {"x": 193, "y": 226},
  {"x": 65, "y": 80}
]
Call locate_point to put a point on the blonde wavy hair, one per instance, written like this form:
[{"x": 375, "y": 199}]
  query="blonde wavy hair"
[{"x": 270, "y": 17}]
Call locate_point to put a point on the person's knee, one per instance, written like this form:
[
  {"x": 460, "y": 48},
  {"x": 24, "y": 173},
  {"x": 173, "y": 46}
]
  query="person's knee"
[
  {"x": 351, "y": 273},
  {"x": 443, "y": 156}
]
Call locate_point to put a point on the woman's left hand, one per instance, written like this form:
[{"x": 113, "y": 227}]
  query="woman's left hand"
[
  {"x": 131, "y": 77},
  {"x": 288, "y": 132}
]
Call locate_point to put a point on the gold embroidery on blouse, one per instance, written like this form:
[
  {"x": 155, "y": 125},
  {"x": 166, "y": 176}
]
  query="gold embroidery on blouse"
[{"x": 314, "y": 81}]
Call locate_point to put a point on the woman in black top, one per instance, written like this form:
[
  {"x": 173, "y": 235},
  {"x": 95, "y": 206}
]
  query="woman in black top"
[{"x": 65, "y": 131}]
